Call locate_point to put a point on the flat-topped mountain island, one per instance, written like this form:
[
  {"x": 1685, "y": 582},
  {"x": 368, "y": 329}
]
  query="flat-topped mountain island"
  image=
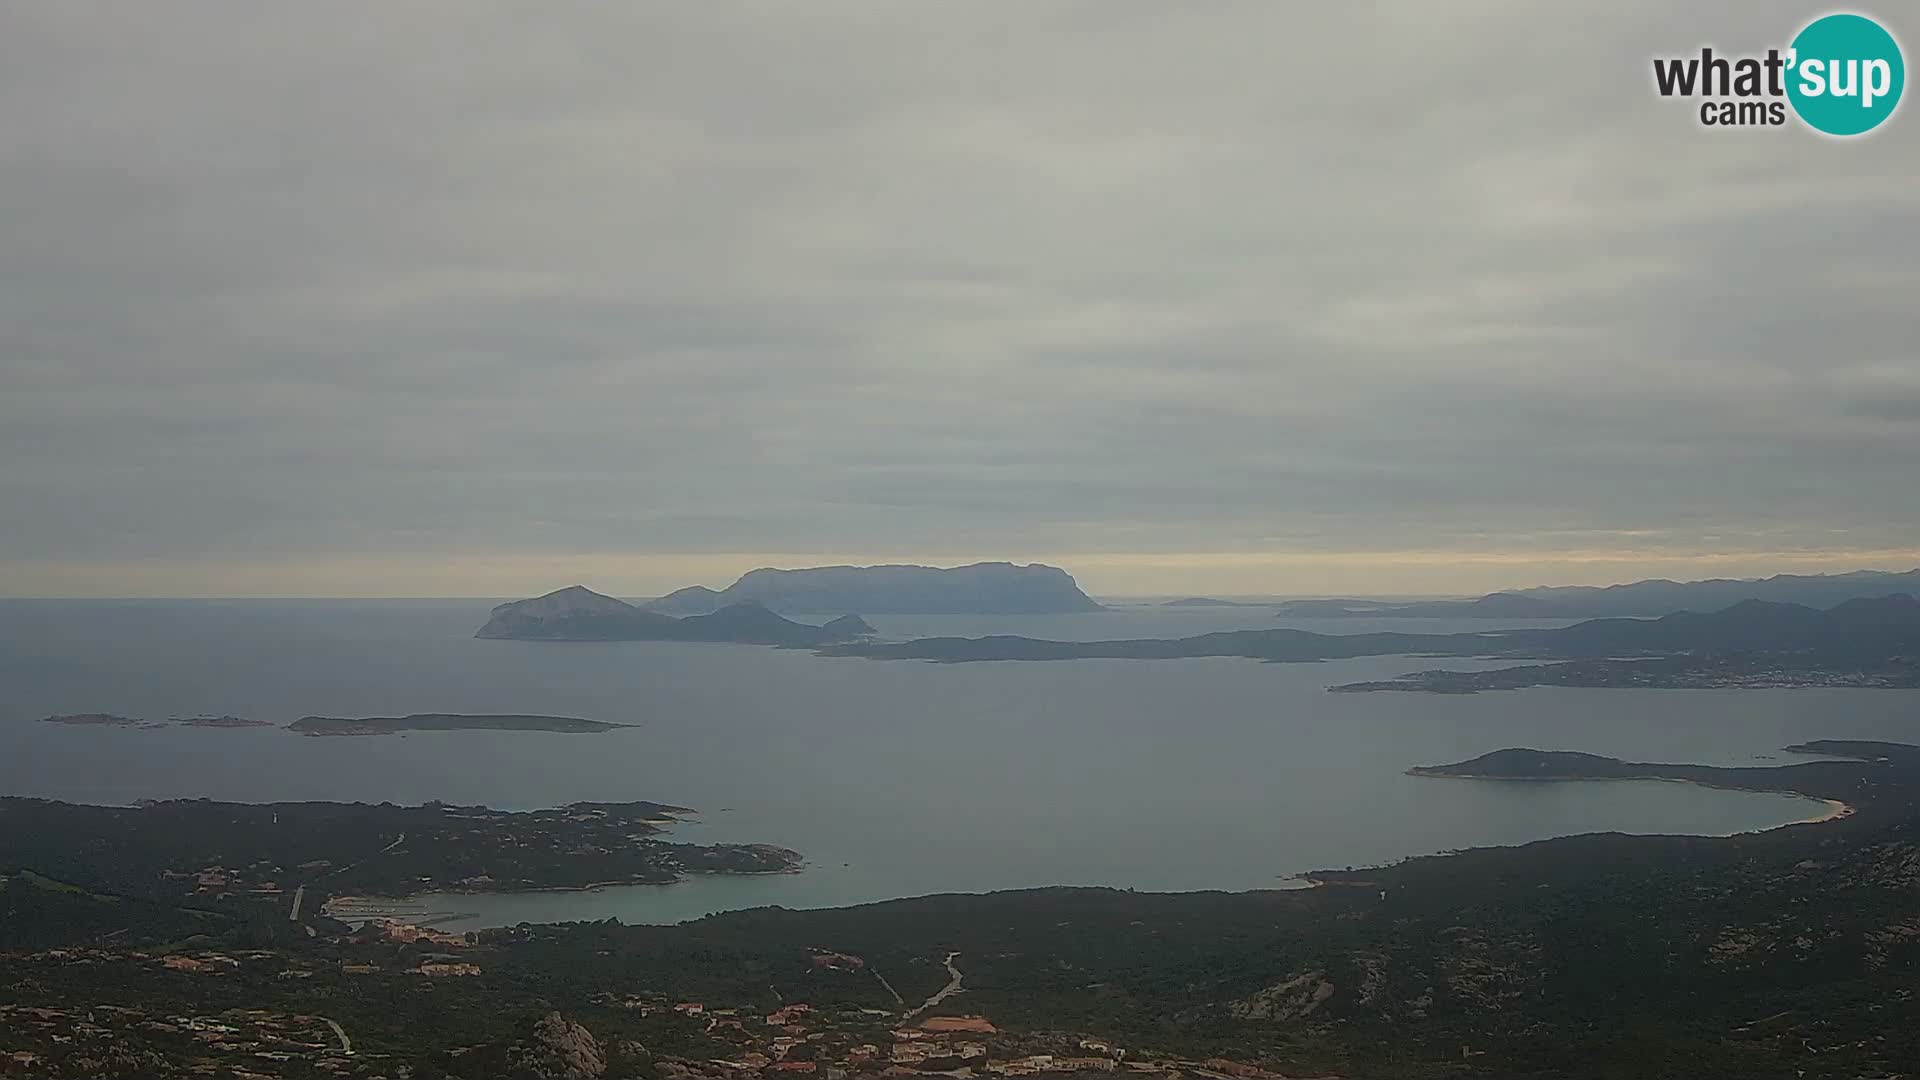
[
  {"x": 748, "y": 611},
  {"x": 986, "y": 588}
]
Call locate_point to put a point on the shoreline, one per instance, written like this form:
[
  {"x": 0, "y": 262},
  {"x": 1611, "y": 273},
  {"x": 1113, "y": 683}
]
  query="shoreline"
[
  {"x": 1835, "y": 808},
  {"x": 594, "y": 886},
  {"x": 1831, "y": 810}
]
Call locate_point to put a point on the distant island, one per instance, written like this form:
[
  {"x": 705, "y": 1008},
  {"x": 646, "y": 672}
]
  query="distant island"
[
  {"x": 220, "y": 722},
  {"x": 577, "y": 613},
  {"x": 1492, "y": 606},
  {"x": 112, "y": 720},
  {"x": 1208, "y": 601},
  {"x": 1638, "y": 599},
  {"x": 988, "y": 588},
  {"x": 96, "y": 720},
  {"x": 387, "y": 725},
  {"x": 1829, "y": 648}
]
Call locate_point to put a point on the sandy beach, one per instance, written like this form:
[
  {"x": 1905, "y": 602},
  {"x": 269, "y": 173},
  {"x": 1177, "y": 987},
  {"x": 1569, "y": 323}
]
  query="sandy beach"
[{"x": 1835, "y": 809}]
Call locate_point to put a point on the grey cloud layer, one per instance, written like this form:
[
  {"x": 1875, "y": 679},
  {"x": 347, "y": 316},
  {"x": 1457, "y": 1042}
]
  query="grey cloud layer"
[{"x": 1009, "y": 278}]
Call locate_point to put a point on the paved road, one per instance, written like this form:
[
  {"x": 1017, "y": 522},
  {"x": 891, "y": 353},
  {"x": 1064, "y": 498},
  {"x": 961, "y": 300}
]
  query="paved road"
[
  {"x": 897, "y": 999},
  {"x": 346, "y": 1044},
  {"x": 401, "y": 839},
  {"x": 952, "y": 987}
]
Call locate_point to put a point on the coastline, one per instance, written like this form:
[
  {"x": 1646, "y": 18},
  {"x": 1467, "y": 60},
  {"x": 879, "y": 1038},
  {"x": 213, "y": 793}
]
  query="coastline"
[
  {"x": 371, "y": 900},
  {"x": 1835, "y": 808},
  {"x": 1832, "y": 810},
  {"x": 596, "y": 886}
]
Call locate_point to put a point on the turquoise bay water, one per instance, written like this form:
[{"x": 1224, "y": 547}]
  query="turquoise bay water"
[{"x": 895, "y": 779}]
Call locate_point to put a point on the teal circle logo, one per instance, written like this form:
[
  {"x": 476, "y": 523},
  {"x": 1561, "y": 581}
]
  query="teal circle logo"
[{"x": 1845, "y": 74}]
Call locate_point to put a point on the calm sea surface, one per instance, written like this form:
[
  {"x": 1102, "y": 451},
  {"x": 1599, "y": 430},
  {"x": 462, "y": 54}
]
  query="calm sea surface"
[{"x": 894, "y": 778}]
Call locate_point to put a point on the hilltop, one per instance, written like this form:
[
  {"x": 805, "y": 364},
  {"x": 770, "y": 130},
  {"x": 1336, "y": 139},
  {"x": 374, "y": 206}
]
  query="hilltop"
[{"x": 988, "y": 588}]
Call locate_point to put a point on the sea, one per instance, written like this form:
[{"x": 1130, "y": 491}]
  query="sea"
[{"x": 893, "y": 778}]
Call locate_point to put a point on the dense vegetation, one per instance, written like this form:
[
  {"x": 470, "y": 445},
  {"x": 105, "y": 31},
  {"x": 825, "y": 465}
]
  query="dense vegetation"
[{"x": 207, "y": 854}]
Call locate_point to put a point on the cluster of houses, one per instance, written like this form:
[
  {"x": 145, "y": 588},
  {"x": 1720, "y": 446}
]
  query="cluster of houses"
[
  {"x": 407, "y": 933},
  {"x": 221, "y": 881},
  {"x": 834, "y": 1044},
  {"x": 239, "y": 1042},
  {"x": 794, "y": 1040}
]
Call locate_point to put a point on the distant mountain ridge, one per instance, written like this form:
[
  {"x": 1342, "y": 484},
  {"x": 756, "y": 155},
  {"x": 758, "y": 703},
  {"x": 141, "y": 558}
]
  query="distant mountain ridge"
[
  {"x": 1854, "y": 629},
  {"x": 988, "y": 588},
  {"x": 577, "y": 613},
  {"x": 1655, "y": 596},
  {"x": 1881, "y": 625}
]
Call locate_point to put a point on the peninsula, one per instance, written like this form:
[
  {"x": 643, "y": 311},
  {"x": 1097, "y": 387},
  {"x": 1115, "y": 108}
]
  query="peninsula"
[
  {"x": 577, "y": 613},
  {"x": 387, "y": 725},
  {"x": 1859, "y": 771},
  {"x": 199, "y": 851}
]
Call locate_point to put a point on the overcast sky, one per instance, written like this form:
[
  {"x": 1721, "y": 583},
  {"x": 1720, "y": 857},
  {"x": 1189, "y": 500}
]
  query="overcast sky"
[{"x": 477, "y": 299}]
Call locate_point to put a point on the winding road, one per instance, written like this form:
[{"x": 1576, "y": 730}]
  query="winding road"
[{"x": 346, "y": 1044}]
